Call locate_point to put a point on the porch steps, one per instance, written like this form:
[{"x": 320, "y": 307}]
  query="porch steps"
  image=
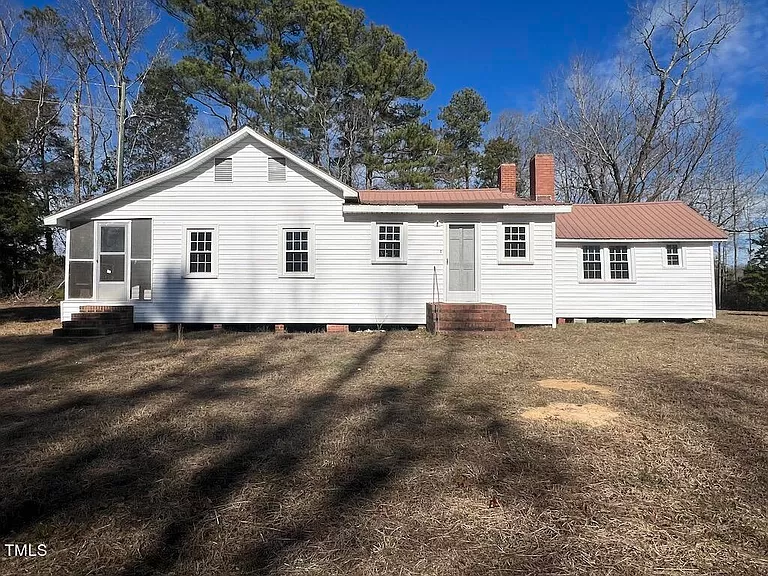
[
  {"x": 97, "y": 321},
  {"x": 480, "y": 317}
]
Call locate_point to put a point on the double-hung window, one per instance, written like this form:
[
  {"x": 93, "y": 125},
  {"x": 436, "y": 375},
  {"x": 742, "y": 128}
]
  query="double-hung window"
[
  {"x": 618, "y": 259},
  {"x": 201, "y": 252},
  {"x": 297, "y": 251},
  {"x": 389, "y": 243},
  {"x": 611, "y": 263},
  {"x": 514, "y": 243},
  {"x": 673, "y": 257},
  {"x": 592, "y": 262}
]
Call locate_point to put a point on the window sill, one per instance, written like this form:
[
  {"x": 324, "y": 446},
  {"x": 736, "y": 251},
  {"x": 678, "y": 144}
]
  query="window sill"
[
  {"x": 391, "y": 261},
  {"x": 296, "y": 275},
  {"x": 201, "y": 276},
  {"x": 515, "y": 262},
  {"x": 607, "y": 281}
]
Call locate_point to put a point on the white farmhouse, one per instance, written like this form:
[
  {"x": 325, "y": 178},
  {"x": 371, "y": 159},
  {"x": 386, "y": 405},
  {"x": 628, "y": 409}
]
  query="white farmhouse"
[{"x": 248, "y": 233}]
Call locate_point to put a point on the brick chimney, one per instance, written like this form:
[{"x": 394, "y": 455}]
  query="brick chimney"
[
  {"x": 543, "y": 177},
  {"x": 508, "y": 179}
]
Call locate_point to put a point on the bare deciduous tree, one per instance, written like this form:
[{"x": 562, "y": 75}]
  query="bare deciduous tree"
[
  {"x": 11, "y": 38},
  {"x": 645, "y": 128}
]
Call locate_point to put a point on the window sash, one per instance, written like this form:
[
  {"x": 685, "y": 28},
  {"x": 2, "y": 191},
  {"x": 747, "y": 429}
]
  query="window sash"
[
  {"x": 592, "y": 263},
  {"x": 297, "y": 250},
  {"x": 390, "y": 241},
  {"x": 618, "y": 260},
  {"x": 515, "y": 242},
  {"x": 673, "y": 255},
  {"x": 201, "y": 252}
]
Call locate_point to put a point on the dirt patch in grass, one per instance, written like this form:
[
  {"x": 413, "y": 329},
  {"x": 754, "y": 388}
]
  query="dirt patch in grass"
[
  {"x": 566, "y": 384},
  {"x": 395, "y": 453},
  {"x": 592, "y": 415}
]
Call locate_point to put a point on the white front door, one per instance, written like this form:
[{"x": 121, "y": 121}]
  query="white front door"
[
  {"x": 111, "y": 261},
  {"x": 462, "y": 269}
]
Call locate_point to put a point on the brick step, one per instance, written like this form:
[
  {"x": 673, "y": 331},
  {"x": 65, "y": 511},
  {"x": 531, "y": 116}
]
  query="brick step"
[
  {"x": 478, "y": 326},
  {"x": 122, "y": 325},
  {"x": 480, "y": 307},
  {"x": 128, "y": 310},
  {"x": 84, "y": 332},
  {"x": 473, "y": 316},
  {"x": 114, "y": 316}
]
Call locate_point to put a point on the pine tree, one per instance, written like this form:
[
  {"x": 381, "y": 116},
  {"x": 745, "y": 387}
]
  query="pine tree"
[
  {"x": 157, "y": 132},
  {"x": 221, "y": 70},
  {"x": 21, "y": 211},
  {"x": 497, "y": 151},
  {"x": 754, "y": 282},
  {"x": 463, "y": 120},
  {"x": 388, "y": 83}
]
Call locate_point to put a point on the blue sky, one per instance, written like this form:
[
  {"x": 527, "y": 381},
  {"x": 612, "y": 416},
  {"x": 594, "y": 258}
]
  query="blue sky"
[{"x": 507, "y": 50}]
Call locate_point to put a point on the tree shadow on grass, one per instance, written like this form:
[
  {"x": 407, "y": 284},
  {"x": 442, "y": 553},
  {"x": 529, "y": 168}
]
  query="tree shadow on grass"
[
  {"x": 28, "y": 313},
  {"x": 355, "y": 434}
]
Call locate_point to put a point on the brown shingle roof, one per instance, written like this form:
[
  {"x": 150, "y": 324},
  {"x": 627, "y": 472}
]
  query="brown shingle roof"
[
  {"x": 478, "y": 196},
  {"x": 638, "y": 221}
]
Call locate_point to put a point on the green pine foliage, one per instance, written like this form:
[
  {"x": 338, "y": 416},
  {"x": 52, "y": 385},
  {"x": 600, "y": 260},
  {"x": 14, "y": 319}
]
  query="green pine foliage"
[
  {"x": 463, "y": 120},
  {"x": 753, "y": 286},
  {"x": 497, "y": 151},
  {"x": 157, "y": 134}
]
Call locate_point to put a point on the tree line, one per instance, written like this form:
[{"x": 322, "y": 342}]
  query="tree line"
[{"x": 349, "y": 95}]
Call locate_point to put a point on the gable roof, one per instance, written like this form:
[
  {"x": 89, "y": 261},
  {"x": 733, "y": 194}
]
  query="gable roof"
[
  {"x": 60, "y": 218},
  {"x": 447, "y": 197},
  {"x": 637, "y": 221}
]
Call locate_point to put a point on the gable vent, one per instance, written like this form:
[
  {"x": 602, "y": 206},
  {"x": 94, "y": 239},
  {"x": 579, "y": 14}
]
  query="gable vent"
[
  {"x": 276, "y": 170},
  {"x": 223, "y": 170}
]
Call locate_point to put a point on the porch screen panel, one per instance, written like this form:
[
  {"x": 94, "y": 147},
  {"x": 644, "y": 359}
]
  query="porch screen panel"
[
  {"x": 141, "y": 259},
  {"x": 80, "y": 279}
]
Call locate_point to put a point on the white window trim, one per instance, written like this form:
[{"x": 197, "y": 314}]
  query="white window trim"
[
  {"x": 605, "y": 265},
  {"x": 214, "y": 273},
  {"x": 281, "y": 230},
  {"x": 375, "y": 258},
  {"x": 528, "y": 243},
  {"x": 680, "y": 252}
]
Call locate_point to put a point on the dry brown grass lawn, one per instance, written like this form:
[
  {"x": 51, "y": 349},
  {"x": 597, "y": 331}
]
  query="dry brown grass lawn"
[{"x": 394, "y": 453}]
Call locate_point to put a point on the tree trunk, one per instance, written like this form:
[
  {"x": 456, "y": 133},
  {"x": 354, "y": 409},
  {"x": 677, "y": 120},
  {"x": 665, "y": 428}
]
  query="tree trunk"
[
  {"x": 466, "y": 175},
  {"x": 76, "y": 145}
]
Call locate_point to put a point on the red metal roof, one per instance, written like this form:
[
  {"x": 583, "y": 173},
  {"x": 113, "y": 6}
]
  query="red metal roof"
[
  {"x": 478, "y": 196},
  {"x": 638, "y": 221}
]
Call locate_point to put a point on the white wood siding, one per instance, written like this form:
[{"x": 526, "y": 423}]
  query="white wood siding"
[
  {"x": 525, "y": 288},
  {"x": 346, "y": 288},
  {"x": 656, "y": 291}
]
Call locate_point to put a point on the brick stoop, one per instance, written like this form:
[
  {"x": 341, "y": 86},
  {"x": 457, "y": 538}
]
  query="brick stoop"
[
  {"x": 480, "y": 317},
  {"x": 97, "y": 321}
]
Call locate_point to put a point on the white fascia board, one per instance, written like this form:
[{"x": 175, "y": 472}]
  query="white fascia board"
[
  {"x": 61, "y": 218},
  {"x": 415, "y": 209},
  {"x": 635, "y": 240}
]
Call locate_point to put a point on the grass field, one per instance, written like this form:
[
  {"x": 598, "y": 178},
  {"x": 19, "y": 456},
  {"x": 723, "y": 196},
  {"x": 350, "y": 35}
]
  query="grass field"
[{"x": 387, "y": 453}]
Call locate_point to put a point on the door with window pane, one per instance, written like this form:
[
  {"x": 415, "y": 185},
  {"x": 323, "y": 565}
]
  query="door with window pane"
[{"x": 111, "y": 242}]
